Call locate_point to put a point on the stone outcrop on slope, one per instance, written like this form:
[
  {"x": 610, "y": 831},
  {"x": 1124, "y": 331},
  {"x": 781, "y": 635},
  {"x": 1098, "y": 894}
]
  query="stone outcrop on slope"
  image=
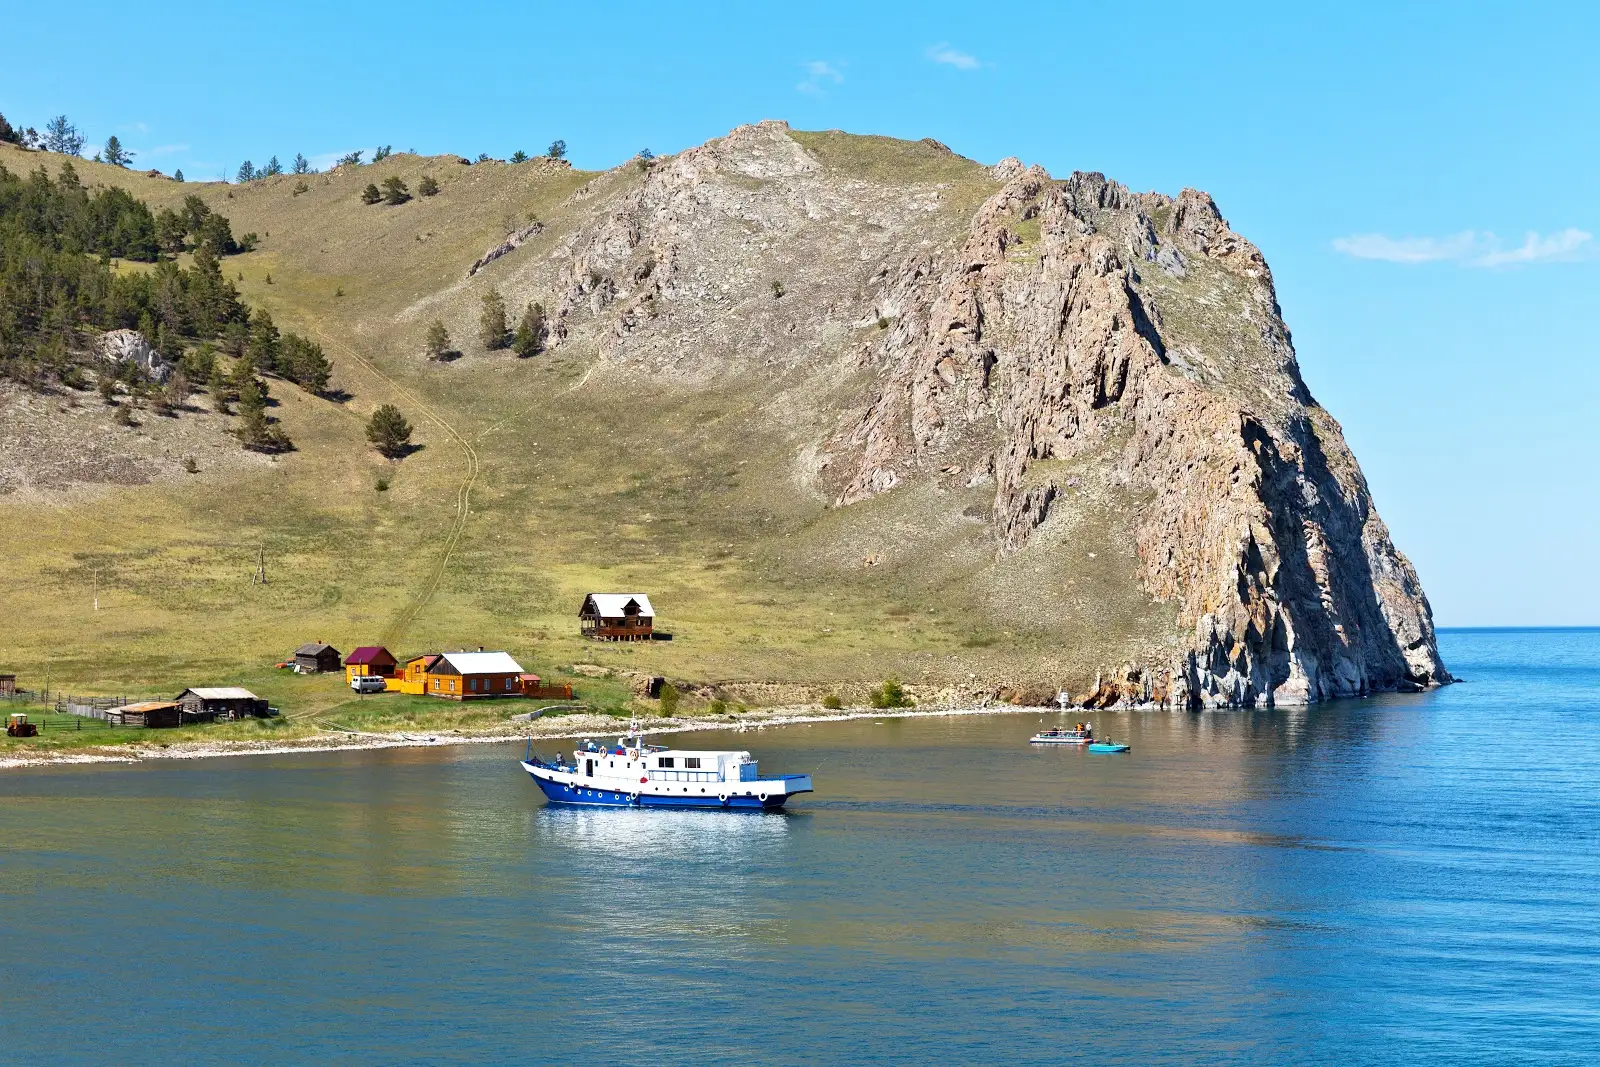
[
  {"x": 1258, "y": 522},
  {"x": 1068, "y": 321}
]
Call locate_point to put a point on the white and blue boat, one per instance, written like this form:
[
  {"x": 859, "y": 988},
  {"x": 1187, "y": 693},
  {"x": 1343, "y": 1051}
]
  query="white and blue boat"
[{"x": 631, "y": 773}]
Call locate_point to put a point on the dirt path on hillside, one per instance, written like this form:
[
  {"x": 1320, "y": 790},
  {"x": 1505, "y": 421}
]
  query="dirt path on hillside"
[{"x": 402, "y": 621}]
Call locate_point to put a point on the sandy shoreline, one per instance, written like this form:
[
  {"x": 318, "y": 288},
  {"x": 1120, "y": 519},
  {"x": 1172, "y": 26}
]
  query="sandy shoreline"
[{"x": 554, "y": 728}]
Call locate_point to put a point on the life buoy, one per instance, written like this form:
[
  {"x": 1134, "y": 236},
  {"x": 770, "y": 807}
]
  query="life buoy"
[
  {"x": 645, "y": 779},
  {"x": 761, "y": 797}
]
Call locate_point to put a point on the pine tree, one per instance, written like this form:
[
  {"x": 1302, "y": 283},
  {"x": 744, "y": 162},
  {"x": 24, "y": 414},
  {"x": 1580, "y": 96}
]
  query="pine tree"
[
  {"x": 558, "y": 150},
  {"x": 247, "y": 172},
  {"x": 428, "y": 186},
  {"x": 177, "y": 175},
  {"x": 370, "y": 194},
  {"x": 301, "y": 165},
  {"x": 519, "y": 156},
  {"x": 220, "y": 389},
  {"x": 262, "y": 349},
  {"x": 273, "y": 167},
  {"x": 9, "y": 133},
  {"x": 115, "y": 154},
  {"x": 395, "y": 191},
  {"x": 492, "y": 321},
  {"x": 529, "y": 338},
  {"x": 389, "y": 431},
  {"x": 62, "y": 136},
  {"x": 380, "y": 153},
  {"x": 437, "y": 342}
]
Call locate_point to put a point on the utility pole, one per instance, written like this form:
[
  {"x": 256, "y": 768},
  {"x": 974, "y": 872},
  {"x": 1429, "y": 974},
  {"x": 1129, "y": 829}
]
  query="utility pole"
[{"x": 261, "y": 568}]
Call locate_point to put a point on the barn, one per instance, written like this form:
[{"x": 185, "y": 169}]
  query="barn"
[
  {"x": 474, "y": 676},
  {"x": 149, "y": 713},
  {"x": 617, "y": 617},
  {"x": 316, "y": 658},
  {"x": 221, "y": 702}
]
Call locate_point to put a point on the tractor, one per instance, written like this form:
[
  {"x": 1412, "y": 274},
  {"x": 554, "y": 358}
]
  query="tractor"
[{"x": 19, "y": 726}]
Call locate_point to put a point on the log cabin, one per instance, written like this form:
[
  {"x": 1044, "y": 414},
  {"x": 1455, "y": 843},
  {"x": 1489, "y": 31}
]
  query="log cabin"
[
  {"x": 617, "y": 617},
  {"x": 316, "y": 657}
]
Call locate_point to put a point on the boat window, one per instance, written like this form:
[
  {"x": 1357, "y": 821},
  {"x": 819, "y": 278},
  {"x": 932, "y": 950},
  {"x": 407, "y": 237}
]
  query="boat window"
[
  {"x": 666, "y": 761},
  {"x": 691, "y": 761}
]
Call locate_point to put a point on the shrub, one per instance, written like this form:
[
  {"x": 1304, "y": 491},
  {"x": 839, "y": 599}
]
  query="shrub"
[
  {"x": 777, "y": 290},
  {"x": 108, "y": 387},
  {"x": 890, "y": 695},
  {"x": 558, "y": 150},
  {"x": 718, "y": 707},
  {"x": 370, "y": 194},
  {"x": 190, "y": 465},
  {"x": 428, "y": 186},
  {"x": 389, "y": 431},
  {"x": 669, "y": 699},
  {"x": 382, "y": 484},
  {"x": 883, "y": 323},
  {"x": 395, "y": 191},
  {"x": 381, "y": 153},
  {"x": 832, "y": 702}
]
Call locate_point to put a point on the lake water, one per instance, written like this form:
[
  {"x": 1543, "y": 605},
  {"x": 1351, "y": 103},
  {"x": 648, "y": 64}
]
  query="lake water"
[{"x": 1411, "y": 879}]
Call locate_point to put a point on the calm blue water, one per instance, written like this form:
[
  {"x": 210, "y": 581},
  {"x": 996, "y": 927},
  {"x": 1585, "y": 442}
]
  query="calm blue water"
[{"x": 1404, "y": 880}]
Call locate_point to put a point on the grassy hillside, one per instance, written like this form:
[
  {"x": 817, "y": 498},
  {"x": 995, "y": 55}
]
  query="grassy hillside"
[{"x": 535, "y": 483}]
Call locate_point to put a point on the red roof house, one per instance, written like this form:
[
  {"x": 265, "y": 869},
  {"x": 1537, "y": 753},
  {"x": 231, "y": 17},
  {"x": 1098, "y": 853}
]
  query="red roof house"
[{"x": 369, "y": 661}]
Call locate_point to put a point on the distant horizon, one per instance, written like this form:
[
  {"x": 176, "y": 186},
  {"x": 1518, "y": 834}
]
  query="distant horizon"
[{"x": 1427, "y": 225}]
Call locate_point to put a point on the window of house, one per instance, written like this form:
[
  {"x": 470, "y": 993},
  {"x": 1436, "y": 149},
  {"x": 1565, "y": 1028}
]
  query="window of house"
[
  {"x": 508, "y": 683},
  {"x": 436, "y": 683},
  {"x": 691, "y": 761}
]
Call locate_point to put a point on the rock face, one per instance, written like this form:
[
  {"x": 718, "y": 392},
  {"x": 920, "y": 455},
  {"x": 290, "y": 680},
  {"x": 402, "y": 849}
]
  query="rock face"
[
  {"x": 1034, "y": 335},
  {"x": 130, "y": 346}
]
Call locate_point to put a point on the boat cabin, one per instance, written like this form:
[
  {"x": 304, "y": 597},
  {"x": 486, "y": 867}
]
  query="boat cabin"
[{"x": 627, "y": 759}]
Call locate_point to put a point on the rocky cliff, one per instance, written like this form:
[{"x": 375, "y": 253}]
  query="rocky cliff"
[{"x": 1058, "y": 342}]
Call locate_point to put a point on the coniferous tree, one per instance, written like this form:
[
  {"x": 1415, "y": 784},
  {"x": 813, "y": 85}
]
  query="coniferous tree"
[
  {"x": 352, "y": 159},
  {"x": 437, "y": 342},
  {"x": 428, "y": 186},
  {"x": 177, "y": 175},
  {"x": 273, "y": 167},
  {"x": 247, "y": 172},
  {"x": 220, "y": 388},
  {"x": 380, "y": 153},
  {"x": 170, "y": 230},
  {"x": 395, "y": 191},
  {"x": 558, "y": 150},
  {"x": 371, "y": 195},
  {"x": 115, "y": 154},
  {"x": 262, "y": 348},
  {"x": 301, "y": 165},
  {"x": 8, "y": 133},
  {"x": 62, "y": 136},
  {"x": 492, "y": 329},
  {"x": 519, "y": 156},
  {"x": 389, "y": 431},
  {"x": 529, "y": 338}
]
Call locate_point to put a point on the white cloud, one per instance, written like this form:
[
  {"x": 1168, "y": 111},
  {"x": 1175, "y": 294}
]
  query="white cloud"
[
  {"x": 163, "y": 150},
  {"x": 1469, "y": 248},
  {"x": 818, "y": 73},
  {"x": 943, "y": 53}
]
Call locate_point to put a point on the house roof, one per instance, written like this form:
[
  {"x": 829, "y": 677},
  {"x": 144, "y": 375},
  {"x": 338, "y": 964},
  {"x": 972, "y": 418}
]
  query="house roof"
[
  {"x": 613, "y": 605},
  {"x": 223, "y": 692},
  {"x": 479, "y": 663},
  {"x": 150, "y": 705},
  {"x": 368, "y": 654},
  {"x": 314, "y": 648}
]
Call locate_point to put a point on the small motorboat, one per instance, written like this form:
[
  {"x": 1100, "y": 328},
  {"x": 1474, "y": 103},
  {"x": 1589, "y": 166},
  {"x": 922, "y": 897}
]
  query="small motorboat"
[{"x": 1108, "y": 746}]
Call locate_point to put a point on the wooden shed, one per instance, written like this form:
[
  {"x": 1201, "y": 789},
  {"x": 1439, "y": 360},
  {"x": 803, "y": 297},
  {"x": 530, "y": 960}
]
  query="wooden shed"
[
  {"x": 369, "y": 661},
  {"x": 617, "y": 617},
  {"x": 316, "y": 658},
  {"x": 153, "y": 713},
  {"x": 222, "y": 702},
  {"x": 8, "y": 685}
]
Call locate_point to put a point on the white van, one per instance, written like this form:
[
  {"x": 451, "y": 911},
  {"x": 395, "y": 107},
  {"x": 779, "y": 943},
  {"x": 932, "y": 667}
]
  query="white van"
[{"x": 368, "y": 683}]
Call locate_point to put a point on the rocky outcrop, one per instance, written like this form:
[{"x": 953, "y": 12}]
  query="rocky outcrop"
[
  {"x": 1073, "y": 333},
  {"x": 512, "y": 242},
  {"x": 130, "y": 346}
]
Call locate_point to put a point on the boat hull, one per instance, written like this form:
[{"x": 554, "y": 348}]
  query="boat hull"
[{"x": 595, "y": 795}]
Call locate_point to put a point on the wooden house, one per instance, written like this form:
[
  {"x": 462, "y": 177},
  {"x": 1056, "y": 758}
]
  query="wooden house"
[
  {"x": 474, "y": 676},
  {"x": 316, "y": 658},
  {"x": 8, "y": 685},
  {"x": 617, "y": 617},
  {"x": 369, "y": 661},
  {"x": 153, "y": 713},
  {"x": 221, "y": 702}
]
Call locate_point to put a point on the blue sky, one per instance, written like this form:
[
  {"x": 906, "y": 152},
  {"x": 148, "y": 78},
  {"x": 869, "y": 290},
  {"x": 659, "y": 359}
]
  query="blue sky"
[{"x": 1422, "y": 178}]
